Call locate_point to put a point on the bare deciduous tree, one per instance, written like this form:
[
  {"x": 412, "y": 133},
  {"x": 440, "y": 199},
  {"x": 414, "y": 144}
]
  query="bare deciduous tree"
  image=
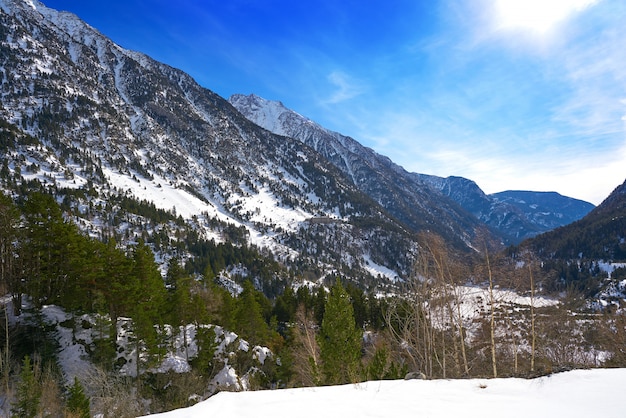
[
  {"x": 492, "y": 316},
  {"x": 533, "y": 333},
  {"x": 112, "y": 395},
  {"x": 428, "y": 321},
  {"x": 306, "y": 349}
]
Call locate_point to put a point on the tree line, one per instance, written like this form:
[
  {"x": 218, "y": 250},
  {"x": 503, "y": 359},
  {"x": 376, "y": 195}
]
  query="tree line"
[
  {"x": 322, "y": 335},
  {"x": 47, "y": 260}
]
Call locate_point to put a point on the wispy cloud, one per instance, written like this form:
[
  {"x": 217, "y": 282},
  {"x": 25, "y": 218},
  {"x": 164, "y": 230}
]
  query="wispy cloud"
[
  {"x": 343, "y": 88},
  {"x": 594, "y": 69},
  {"x": 508, "y": 117}
]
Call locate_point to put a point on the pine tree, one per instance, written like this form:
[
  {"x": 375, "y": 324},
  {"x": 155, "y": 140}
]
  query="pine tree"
[
  {"x": 377, "y": 367},
  {"x": 319, "y": 304},
  {"x": 249, "y": 320},
  {"x": 205, "y": 359},
  {"x": 339, "y": 339},
  {"x": 110, "y": 289},
  {"x": 285, "y": 306},
  {"x": 9, "y": 283},
  {"x": 77, "y": 401},
  {"x": 28, "y": 393},
  {"x": 147, "y": 287},
  {"x": 114, "y": 282},
  {"x": 182, "y": 307},
  {"x": 9, "y": 218}
]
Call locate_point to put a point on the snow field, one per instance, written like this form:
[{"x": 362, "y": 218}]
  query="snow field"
[{"x": 580, "y": 393}]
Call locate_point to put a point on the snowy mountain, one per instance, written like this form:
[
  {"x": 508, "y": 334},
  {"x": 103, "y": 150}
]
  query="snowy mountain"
[
  {"x": 597, "y": 236},
  {"x": 516, "y": 215},
  {"x": 546, "y": 210},
  {"x": 414, "y": 197},
  {"x": 96, "y": 123},
  {"x": 403, "y": 194}
]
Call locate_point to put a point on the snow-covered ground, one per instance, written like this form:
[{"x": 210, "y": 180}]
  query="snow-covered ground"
[
  {"x": 475, "y": 300},
  {"x": 75, "y": 333},
  {"x": 580, "y": 393}
]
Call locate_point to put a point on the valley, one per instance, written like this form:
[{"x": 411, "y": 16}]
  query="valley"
[{"x": 160, "y": 244}]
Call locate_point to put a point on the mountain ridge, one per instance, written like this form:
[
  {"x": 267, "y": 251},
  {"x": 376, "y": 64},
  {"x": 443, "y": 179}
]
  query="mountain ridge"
[
  {"x": 146, "y": 222},
  {"x": 111, "y": 121},
  {"x": 512, "y": 222},
  {"x": 599, "y": 235}
]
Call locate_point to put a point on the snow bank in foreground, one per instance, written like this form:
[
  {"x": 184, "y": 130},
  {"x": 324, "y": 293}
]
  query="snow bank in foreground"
[{"x": 580, "y": 393}]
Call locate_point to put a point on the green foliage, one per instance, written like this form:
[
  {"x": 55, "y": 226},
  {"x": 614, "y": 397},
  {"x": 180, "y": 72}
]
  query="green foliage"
[
  {"x": 359, "y": 304},
  {"x": 52, "y": 249},
  {"x": 249, "y": 321},
  {"x": 77, "y": 402},
  {"x": 180, "y": 301},
  {"x": 9, "y": 234},
  {"x": 212, "y": 258},
  {"x": 204, "y": 362},
  {"x": 171, "y": 390},
  {"x": 35, "y": 338},
  {"x": 28, "y": 393},
  {"x": 339, "y": 339},
  {"x": 580, "y": 276},
  {"x": 113, "y": 282},
  {"x": 148, "y": 294},
  {"x": 104, "y": 346},
  {"x": 377, "y": 367},
  {"x": 143, "y": 208},
  {"x": 285, "y": 306},
  {"x": 319, "y": 305},
  {"x": 382, "y": 367}
]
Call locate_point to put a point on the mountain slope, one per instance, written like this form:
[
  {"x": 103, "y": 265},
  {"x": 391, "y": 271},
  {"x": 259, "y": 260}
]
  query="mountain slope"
[
  {"x": 84, "y": 114},
  {"x": 547, "y": 210},
  {"x": 403, "y": 194},
  {"x": 600, "y": 235},
  {"x": 419, "y": 200},
  {"x": 517, "y": 215}
]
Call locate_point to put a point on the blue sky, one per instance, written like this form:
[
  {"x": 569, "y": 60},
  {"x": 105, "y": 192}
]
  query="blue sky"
[{"x": 513, "y": 94}]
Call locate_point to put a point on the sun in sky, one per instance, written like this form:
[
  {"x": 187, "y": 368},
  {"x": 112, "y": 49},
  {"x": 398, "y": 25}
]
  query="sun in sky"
[{"x": 538, "y": 16}]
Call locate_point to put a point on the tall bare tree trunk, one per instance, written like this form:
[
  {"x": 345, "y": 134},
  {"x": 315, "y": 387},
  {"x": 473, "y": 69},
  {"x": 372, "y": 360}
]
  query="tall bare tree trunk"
[
  {"x": 493, "y": 318},
  {"x": 7, "y": 353},
  {"x": 533, "y": 334},
  {"x": 461, "y": 330}
]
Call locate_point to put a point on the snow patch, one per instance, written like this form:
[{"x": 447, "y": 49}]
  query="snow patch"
[{"x": 377, "y": 270}]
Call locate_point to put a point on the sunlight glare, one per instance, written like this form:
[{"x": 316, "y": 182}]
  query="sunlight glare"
[{"x": 537, "y": 15}]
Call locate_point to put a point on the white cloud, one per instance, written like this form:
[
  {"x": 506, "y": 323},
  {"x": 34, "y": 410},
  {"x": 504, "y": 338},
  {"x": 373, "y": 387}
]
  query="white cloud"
[
  {"x": 486, "y": 106},
  {"x": 344, "y": 87}
]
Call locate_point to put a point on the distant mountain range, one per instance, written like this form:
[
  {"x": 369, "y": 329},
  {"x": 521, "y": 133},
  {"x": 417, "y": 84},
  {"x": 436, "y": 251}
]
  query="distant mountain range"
[
  {"x": 600, "y": 235},
  {"x": 512, "y": 215}
]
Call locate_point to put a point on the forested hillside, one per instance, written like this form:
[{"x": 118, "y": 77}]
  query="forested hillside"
[
  {"x": 588, "y": 255},
  {"x": 600, "y": 235},
  {"x": 156, "y": 247}
]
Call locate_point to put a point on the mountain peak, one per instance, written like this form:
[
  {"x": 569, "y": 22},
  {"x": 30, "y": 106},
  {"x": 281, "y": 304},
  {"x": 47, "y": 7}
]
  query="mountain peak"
[
  {"x": 117, "y": 125},
  {"x": 393, "y": 187},
  {"x": 269, "y": 114},
  {"x": 401, "y": 193}
]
